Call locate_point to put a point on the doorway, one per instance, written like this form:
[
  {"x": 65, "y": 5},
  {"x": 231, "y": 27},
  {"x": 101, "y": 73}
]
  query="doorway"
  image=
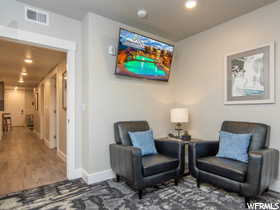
[
  {"x": 33, "y": 93},
  {"x": 69, "y": 48},
  {"x": 15, "y": 105}
]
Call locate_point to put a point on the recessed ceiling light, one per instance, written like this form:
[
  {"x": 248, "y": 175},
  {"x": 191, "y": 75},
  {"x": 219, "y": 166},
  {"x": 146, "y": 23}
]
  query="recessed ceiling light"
[
  {"x": 21, "y": 80},
  {"x": 24, "y": 73},
  {"x": 27, "y": 60},
  {"x": 16, "y": 87},
  {"x": 190, "y": 4},
  {"x": 142, "y": 13}
]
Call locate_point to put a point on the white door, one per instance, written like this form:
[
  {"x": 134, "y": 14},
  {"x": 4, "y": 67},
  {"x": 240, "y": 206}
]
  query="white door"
[{"x": 14, "y": 104}]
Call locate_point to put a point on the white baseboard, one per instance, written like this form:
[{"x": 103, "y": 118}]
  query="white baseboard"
[
  {"x": 46, "y": 141},
  {"x": 109, "y": 174},
  {"x": 36, "y": 133},
  {"x": 61, "y": 155},
  {"x": 49, "y": 144},
  {"x": 275, "y": 186},
  {"x": 75, "y": 174},
  {"x": 97, "y": 177}
]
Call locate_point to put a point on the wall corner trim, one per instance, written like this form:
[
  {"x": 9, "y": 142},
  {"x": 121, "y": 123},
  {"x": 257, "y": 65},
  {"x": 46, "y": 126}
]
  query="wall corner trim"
[
  {"x": 75, "y": 174},
  {"x": 97, "y": 177}
]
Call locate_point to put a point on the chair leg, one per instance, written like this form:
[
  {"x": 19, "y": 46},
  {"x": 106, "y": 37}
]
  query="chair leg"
[
  {"x": 197, "y": 182},
  {"x": 176, "y": 181},
  {"x": 266, "y": 190},
  {"x": 247, "y": 200},
  {"x": 140, "y": 194},
  {"x": 118, "y": 178}
]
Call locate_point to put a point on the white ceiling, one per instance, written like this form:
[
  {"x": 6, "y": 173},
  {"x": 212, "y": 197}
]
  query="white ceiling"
[
  {"x": 12, "y": 57},
  {"x": 167, "y": 18}
]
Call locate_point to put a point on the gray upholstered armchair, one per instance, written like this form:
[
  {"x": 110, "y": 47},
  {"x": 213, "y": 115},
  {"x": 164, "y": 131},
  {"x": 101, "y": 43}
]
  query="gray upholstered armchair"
[
  {"x": 249, "y": 180},
  {"x": 142, "y": 171}
]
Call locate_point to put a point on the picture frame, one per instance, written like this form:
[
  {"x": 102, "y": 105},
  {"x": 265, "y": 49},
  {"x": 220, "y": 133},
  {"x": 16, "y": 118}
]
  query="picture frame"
[
  {"x": 249, "y": 76},
  {"x": 64, "y": 90}
]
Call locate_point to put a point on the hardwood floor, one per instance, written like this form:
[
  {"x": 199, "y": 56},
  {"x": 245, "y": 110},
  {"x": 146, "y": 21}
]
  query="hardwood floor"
[{"x": 26, "y": 162}]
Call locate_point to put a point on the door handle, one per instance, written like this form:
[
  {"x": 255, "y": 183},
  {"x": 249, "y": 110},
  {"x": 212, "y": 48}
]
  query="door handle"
[{"x": 22, "y": 111}]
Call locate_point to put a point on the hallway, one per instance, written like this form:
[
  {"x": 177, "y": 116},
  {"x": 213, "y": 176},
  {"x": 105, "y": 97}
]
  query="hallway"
[{"x": 25, "y": 162}]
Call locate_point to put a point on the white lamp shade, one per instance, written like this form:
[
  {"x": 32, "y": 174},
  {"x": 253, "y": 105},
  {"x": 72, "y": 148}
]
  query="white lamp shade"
[{"x": 179, "y": 115}]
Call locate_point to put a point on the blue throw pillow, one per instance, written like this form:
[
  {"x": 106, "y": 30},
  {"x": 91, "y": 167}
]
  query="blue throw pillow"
[
  {"x": 234, "y": 146},
  {"x": 145, "y": 141}
]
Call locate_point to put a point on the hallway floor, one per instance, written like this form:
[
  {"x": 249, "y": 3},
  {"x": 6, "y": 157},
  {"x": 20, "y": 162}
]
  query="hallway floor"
[{"x": 26, "y": 162}]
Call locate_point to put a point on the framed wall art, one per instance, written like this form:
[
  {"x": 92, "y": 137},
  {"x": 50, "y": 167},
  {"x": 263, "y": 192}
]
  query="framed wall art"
[{"x": 249, "y": 76}]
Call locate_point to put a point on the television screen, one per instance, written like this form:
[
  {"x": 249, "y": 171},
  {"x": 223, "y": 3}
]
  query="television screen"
[{"x": 143, "y": 57}]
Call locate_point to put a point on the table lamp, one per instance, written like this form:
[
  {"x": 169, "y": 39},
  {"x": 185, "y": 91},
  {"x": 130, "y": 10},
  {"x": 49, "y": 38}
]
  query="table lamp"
[{"x": 179, "y": 116}]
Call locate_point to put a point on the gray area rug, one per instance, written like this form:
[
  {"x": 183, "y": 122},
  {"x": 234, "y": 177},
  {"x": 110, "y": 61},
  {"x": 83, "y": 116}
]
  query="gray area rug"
[{"x": 110, "y": 195}]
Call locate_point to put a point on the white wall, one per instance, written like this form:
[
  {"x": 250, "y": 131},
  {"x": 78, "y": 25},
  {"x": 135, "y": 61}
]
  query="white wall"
[
  {"x": 15, "y": 105},
  {"x": 112, "y": 98},
  {"x": 48, "y": 105},
  {"x": 199, "y": 78},
  {"x": 17, "y": 100},
  {"x": 85, "y": 123},
  {"x": 46, "y": 111},
  {"x": 37, "y": 126},
  {"x": 12, "y": 15},
  {"x": 29, "y": 101},
  {"x": 61, "y": 112}
]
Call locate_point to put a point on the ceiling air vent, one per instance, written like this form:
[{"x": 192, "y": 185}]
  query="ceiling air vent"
[{"x": 36, "y": 16}]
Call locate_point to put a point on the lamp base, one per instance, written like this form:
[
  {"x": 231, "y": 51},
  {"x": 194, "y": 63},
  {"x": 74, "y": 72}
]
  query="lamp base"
[{"x": 178, "y": 128}]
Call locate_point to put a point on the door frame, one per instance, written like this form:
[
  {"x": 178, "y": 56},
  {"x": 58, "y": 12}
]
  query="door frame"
[
  {"x": 53, "y": 116},
  {"x": 41, "y": 110},
  {"x": 68, "y": 47}
]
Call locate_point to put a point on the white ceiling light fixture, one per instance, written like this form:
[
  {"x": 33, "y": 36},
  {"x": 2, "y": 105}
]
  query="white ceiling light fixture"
[
  {"x": 20, "y": 80},
  {"x": 28, "y": 60},
  {"x": 190, "y": 4},
  {"x": 23, "y": 72},
  {"x": 142, "y": 13}
]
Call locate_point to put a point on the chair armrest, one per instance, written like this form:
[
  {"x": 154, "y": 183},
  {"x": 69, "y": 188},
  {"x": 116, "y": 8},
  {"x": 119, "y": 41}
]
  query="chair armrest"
[
  {"x": 172, "y": 148},
  {"x": 200, "y": 149},
  {"x": 204, "y": 148},
  {"x": 126, "y": 161},
  {"x": 262, "y": 171}
]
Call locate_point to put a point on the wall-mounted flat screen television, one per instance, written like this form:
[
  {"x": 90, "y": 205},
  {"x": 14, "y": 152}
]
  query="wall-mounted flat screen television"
[{"x": 142, "y": 57}]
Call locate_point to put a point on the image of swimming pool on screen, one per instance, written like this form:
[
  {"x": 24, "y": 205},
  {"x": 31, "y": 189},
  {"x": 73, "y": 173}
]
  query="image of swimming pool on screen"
[
  {"x": 144, "y": 66},
  {"x": 142, "y": 57}
]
